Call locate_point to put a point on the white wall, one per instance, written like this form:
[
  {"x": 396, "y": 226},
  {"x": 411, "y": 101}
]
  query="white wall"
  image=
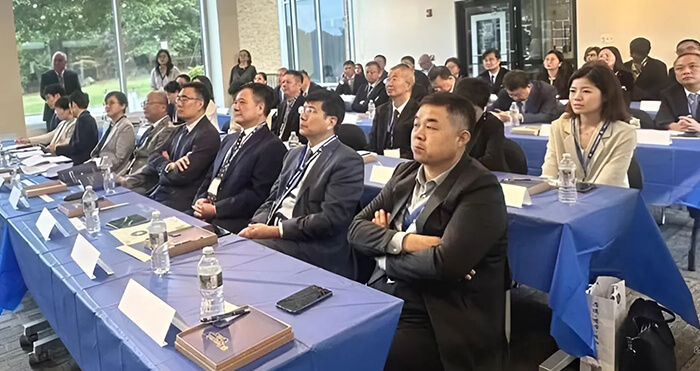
[
  {"x": 11, "y": 103},
  {"x": 396, "y": 28}
]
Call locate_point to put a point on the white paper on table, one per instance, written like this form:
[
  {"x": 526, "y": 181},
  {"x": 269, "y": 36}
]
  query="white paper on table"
[
  {"x": 351, "y": 118},
  {"x": 381, "y": 174},
  {"x": 28, "y": 182},
  {"x": 52, "y": 173},
  {"x": 35, "y": 160},
  {"x": 45, "y": 223},
  {"x": 85, "y": 255},
  {"x": 77, "y": 223},
  {"x": 15, "y": 194},
  {"x": 394, "y": 153},
  {"x": 28, "y": 154},
  {"x": 657, "y": 137},
  {"x": 147, "y": 311},
  {"x": 650, "y": 105},
  {"x": 564, "y": 102},
  {"x": 46, "y": 198},
  {"x": 58, "y": 159},
  {"x": 143, "y": 257},
  {"x": 32, "y": 170},
  {"x": 545, "y": 130},
  {"x": 516, "y": 196}
]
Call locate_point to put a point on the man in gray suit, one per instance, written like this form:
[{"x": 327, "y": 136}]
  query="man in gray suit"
[
  {"x": 317, "y": 193},
  {"x": 139, "y": 178}
]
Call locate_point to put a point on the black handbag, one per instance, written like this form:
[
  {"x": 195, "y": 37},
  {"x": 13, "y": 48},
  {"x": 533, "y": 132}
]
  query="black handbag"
[
  {"x": 84, "y": 174},
  {"x": 648, "y": 340}
]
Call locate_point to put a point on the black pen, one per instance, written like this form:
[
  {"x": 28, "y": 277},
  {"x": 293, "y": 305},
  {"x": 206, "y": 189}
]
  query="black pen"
[{"x": 224, "y": 316}]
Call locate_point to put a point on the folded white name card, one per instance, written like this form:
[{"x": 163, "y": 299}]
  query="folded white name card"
[
  {"x": 650, "y": 105},
  {"x": 657, "y": 137},
  {"x": 516, "y": 196},
  {"x": 147, "y": 311},
  {"x": 545, "y": 130},
  {"x": 381, "y": 174},
  {"x": 85, "y": 255},
  {"x": 393, "y": 153},
  {"x": 15, "y": 194},
  {"x": 45, "y": 223}
]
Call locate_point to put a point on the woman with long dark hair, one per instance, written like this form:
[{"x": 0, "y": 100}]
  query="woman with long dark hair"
[
  {"x": 453, "y": 64},
  {"x": 164, "y": 71},
  {"x": 595, "y": 129},
  {"x": 242, "y": 73},
  {"x": 556, "y": 71},
  {"x": 613, "y": 59}
]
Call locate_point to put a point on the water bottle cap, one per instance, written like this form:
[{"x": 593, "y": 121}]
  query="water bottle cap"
[
  {"x": 155, "y": 214},
  {"x": 208, "y": 250},
  {"x": 88, "y": 188},
  {"x": 566, "y": 155}
]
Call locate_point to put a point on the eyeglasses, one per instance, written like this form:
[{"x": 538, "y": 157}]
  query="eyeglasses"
[
  {"x": 306, "y": 110},
  {"x": 146, "y": 103},
  {"x": 185, "y": 99}
]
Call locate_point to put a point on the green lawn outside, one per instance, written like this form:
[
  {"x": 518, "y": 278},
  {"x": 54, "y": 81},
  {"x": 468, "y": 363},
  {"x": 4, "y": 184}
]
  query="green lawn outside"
[{"x": 33, "y": 104}]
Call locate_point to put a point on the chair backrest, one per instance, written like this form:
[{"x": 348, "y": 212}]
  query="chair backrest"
[
  {"x": 645, "y": 120},
  {"x": 515, "y": 157},
  {"x": 352, "y": 136},
  {"x": 634, "y": 175}
]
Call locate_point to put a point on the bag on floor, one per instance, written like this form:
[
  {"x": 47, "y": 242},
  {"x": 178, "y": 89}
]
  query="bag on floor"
[
  {"x": 607, "y": 303},
  {"x": 649, "y": 342}
]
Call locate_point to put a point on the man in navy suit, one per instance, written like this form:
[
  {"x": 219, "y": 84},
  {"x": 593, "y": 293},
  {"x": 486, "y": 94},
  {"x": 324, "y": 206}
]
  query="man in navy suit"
[
  {"x": 680, "y": 103},
  {"x": 58, "y": 75},
  {"x": 247, "y": 165},
  {"x": 536, "y": 100},
  {"x": 312, "y": 203},
  {"x": 373, "y": 89}
]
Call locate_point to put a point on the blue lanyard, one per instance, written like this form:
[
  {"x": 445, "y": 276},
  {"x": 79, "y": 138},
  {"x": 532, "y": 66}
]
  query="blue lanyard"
[{"x": 586, "y": 161}]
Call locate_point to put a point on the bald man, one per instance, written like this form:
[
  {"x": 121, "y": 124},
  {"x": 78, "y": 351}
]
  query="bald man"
[
  {"x": 58, "y": 75},
  {"x": 392, "y": 125},
  {"x": 139, "y": 178}
]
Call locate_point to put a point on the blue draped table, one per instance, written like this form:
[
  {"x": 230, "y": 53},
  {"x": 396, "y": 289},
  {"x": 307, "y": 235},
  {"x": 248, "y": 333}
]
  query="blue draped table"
[
  {"x": 352, "y": 330},
  {"x": 671, "y": 173},
  {"x": 560, "y": 249}
]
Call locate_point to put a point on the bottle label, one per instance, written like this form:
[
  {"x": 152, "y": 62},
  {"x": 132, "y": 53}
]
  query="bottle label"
[{"x": 211, "y": 282}]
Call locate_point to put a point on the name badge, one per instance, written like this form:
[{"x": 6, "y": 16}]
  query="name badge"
[{"x": 214, "y": 188}]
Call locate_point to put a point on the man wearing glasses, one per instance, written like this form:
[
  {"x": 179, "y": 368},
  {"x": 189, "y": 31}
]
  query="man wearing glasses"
[
  {"x": 182, "y": 162},
  {"x": 139, "y": 178},
  {"x": 313, "y": 201}
]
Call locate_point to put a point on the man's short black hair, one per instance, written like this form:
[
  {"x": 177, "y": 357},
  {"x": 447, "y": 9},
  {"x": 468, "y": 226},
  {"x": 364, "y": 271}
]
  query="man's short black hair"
[
  {"x": 373, "y": 63},
  {"x": 121, "y": 98},
  {"x": 461, "y": 111},
  {"x": 54, "y": 89},
  {"x": 184, "y": 76},
  {"x": 640, "y": 46},
  {"x": 201, "y": 91},
  {"x": 493, "y": 51},
  {"x": 80, "y": 98},
  {"x": 297, "y": 75},
  {"x": 475, "y": 90},
  {"x": 349, "y": 63},
  {"x": 516, "y": 79},
  {"x": 331, "y": 104},
  {"x": 172, "y": 87},
  {"x": 409, "y": 58},
  {"x": 303, "y": 72},
  {"x": 63, "y": 103},
  {"x": 261, "y": 94},
  {"x": 381, "y": 57},
  {"x": 441, "y": 72}
]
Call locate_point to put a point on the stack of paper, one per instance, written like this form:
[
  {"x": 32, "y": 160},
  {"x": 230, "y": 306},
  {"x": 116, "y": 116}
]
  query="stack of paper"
[{"x": 39, "y": 163}]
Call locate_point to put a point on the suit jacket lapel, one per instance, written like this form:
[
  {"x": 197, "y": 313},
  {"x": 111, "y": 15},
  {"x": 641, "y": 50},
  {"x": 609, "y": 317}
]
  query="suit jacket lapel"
[
  {"x": 402, "y": 191},
  {"x": 320, "y": 165},
  {"x": 222, "y": 154},
  {"x": 441, "y": 192},
  {"x": 252, "y": 142},
  {"x": 382, "y": 125},
  {"x": 598, "y": 155},
  {"x": 681, "y": 101}
]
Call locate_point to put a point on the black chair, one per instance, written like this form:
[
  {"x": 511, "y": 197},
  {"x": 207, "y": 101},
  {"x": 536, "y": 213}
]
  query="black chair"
[
  {"x": 645, "y": 120},
  {"x": 634, "y": 175},
  {"x": 352, "y": 136},
  {"x": 515, "y": 157}
]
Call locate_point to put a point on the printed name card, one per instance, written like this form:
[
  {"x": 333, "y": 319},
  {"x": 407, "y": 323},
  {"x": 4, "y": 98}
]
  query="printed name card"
[
  {"x": 657, "y": 137},
  {"x": 516, "y": 196},
  {"x": 395, "y": 153},
  {"x": 15, "y": 194},
  {"x": 147, "y": 311},
  {"x": 85, "y": 255},
  {"x": 650, "y": 105},
  {"x": 45, "y": 223},
  {"x": 545, "y": 130},
  {"x": 381, "y": 174}
]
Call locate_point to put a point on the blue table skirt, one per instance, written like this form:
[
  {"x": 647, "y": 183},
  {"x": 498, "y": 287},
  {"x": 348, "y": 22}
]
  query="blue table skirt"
[
  {"x": 366, "y": 126},
  {"x": 671, "y": 173},
  {"x": 351, "y": 330},
  {"x": 560, "y": 249}
]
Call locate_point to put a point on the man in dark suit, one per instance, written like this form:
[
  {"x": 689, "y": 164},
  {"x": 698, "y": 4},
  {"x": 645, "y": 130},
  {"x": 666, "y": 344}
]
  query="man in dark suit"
[
  {"x": 182, "y": 162},
  {"x": 487, "y": 135},
  {"x": 287, "y": 119},
  {"x": 392, "y": 125},
  {"x": 85, "y": 135},
  {"x": 317, "y": 193},
  {"x": 247, "y": 165},
  {"x": 650, "y": 74},
  {"x": 58, "y": 75},
  {"x": 441, "y": 79},
  {"x": 381, "y": 60},
  {"x": 350, "y": 82},
  {"x": 438, "y": 233},
  {"x": 684, "y": 46},
  {"x": 680, "y": 107},
  {"x": 51, "y": 95},
  {"x": 307, "y": 85},
  {"x": 494, "y": 73},
  {"x": 421, "y": 85},
  {"x": 536, "y": 100},
  {"x": 373, "y": 90},
  {"x": 279, "y": 94}
]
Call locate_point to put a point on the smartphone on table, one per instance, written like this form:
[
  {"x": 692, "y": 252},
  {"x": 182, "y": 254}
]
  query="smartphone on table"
[{"x": 302, "y": 300}]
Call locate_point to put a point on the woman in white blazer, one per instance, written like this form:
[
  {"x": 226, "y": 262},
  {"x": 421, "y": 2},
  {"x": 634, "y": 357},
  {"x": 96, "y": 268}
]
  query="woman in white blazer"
[{"x": 118, "y": 141}]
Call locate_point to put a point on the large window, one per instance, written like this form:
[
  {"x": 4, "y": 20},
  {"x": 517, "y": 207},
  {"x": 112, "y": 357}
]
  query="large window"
[
  {"x": 317, "y": 37},
  {"x": 87, "y": 32}
]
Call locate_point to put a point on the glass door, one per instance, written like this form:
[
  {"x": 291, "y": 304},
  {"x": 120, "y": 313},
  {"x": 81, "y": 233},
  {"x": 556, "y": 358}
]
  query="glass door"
[
  {"x": 546, "y": 25},
  {"x": 482, "y": 27}
]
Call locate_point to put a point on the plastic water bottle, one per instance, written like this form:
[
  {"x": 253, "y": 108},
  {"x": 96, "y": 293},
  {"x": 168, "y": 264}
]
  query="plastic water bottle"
[
  {"x": 514, "y": 114},
  {"x": 371, "y": 109},
  {"x": 91, "y": 211},
  {"x": 211, "y": 284},
  {"x": 109, "y": 180},
  {"x": 293, "y": 140},
  {"x": 158, "y": 239},
  {"x": 567, "y": 180}
]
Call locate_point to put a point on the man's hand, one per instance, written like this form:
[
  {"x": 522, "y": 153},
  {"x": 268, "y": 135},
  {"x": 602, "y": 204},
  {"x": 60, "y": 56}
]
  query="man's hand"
[
  {"x": 183, "y": 163},
  {"x": 416, "y": 242},
  {"x": 165, "y": 155},
  {"x": 503, "y": 116},
  {"x": 675, "y": 126},
  {"x": 688, "y": 124},
  {"x": 382, "y": 218},
  {"x": 471, "y": 275},
  {"x": 204, "y": 209},
  {"x": 260, "y": 231}
]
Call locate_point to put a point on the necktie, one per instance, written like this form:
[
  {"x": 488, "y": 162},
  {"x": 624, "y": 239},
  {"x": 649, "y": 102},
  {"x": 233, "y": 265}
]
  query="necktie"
[
  {"x": 287, "y": 110},
  {"x": 60, "y": 79},
  {"x": 230, "y": 155},
  {"x": 369, "y": 89},
  {"x": 104, "y": 139},
  {"x": 145, "y": 135},
  {"x": 520, "y": 107},
  {"x": 493, "y": 79},
  {"x": 693, "y": 105},
  {"x": 392, "y": 124}
]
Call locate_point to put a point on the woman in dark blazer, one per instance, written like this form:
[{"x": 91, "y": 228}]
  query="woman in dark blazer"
[
  {"x": 556, "y": 71},
  {"x": 612, "y": 57}
]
